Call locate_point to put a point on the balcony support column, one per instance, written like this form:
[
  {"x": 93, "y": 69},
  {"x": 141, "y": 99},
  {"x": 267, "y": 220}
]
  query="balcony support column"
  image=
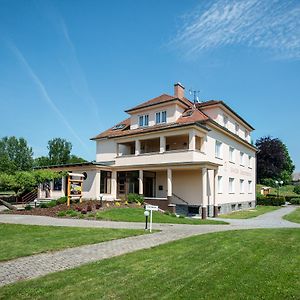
[
  {"x": 162, "y": 142},
  {"x": 141, "y": 191},
  {"x": 137, "y": 147},
  {"x": 192, "y": 140}
]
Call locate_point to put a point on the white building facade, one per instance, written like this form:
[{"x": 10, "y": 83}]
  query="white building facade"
[{"x": 192, "y": 158}]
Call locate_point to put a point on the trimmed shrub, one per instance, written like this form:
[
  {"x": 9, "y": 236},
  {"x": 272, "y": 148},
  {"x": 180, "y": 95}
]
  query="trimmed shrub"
[
  {"x": 297, "y": 189},
  {"x": 62, "y": 200},
  {"x": 43, "y": 205},
  {"x": 275, "y": 201},
  {"x": 295, "y": 201},
  {"x": 61, "y": 214},
  {"x": 135, "y": 198},
  {"x": 52, "y": 203},
  {"x": 289, "y": 198},
  {"x": 28, "y": 207}
]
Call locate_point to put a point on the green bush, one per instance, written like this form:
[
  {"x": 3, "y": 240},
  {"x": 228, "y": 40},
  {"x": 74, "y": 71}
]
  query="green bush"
[
  {"x": 135, "y": 198},
  {"x": 52, "y": 203},
  {"x": 62, "y": 200},
  {"x": 181, "y": 216},
  {"x": 28, "y": 207},
  {"x": 288, "y": 198},
  {"x": 43, "y": 205},
  {"x": 61, "y": 214},
  {"x": 167, "y": 213},
  {"x": 275, "y": 201},
  {"x": 268, "y": 182},
  {"x": 295, "y": 201},
  {"x": 297, "y": 189}
]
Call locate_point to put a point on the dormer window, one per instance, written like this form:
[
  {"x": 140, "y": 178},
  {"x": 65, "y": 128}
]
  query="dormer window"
[
  {"x": 144, "y": 120},
  {"x": 161, "y": 117}
]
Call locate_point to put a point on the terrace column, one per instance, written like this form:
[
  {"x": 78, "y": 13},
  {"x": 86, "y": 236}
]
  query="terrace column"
[
  {"x": 204, "y": 193},
  {"x": 162, "y": 142},
  {"x": 97, "y": 179},
  {"x": 137, "y": 147},
  {"x": 169, "y": 183},
  {"x": 114, "y": 184},
  {"x": 141, "y": 173},
  {"x": 192, "y": 140},
  {"x": 117, "y": 149},
  {"x": 210, "y": 192},
  {"x": 215, "y": 193}
]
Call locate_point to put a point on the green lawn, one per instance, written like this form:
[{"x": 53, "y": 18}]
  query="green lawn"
[
  {"x": 293, "y": 216},
  {"x": 286, "y": 190},
  {"x": 246, "y": 264},
  {"x": 23, "y": 240},
  {"x": 137, "y": 215},
  {"x": 247, "y": 214}
]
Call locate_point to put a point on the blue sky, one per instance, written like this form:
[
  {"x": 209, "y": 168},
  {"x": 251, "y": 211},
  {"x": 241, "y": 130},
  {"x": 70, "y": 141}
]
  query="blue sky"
[{"x": 70, "y": 68}]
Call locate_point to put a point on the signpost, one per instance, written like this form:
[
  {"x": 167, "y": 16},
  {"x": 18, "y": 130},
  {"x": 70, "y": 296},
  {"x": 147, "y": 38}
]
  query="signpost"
[{"x": 151, "y": 208}]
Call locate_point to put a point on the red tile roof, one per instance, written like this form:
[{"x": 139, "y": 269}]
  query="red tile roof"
[
  {"x": 158, "y": 100},
  {"x": 192, "y": 115}
]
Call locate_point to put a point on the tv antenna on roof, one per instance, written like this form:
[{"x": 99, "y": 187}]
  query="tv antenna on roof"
[{"x": 195, "y": 95}]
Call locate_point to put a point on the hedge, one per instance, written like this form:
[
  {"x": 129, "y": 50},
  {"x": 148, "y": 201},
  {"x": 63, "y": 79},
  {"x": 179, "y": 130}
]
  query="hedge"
[
  {"x": 289, "y": 198},
  {"x": 271, "y": 201},
  {"x": 295, "y": 201}
]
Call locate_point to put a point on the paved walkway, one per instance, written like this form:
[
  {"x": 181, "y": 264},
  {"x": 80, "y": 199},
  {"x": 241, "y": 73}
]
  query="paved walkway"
[{"x": 42, "y": 264}]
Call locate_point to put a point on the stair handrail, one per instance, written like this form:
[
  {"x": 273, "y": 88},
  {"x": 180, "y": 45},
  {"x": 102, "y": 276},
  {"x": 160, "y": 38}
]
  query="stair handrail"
[
  {"x": 30, "y": 196},
  {"x": 179, "y": 198}
]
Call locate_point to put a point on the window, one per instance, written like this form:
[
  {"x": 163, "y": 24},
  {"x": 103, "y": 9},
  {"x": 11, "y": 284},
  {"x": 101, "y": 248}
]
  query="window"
[
  {"x": 220, "y": 184},
  {"x": 242, "y": 159},
  {"x": 242, "y": 188},
  {"x": 161, "y": 117},
  {"x": 57, "y": 184},
  {"x": 250, "y": 162},
  {"x": 225, "y": 121},
  {"x": 231, "y": 185},
  {"x": 105, "y": 182},
  {"x": 157, "y": 118},
  {"x": 237, "y": 128},
  {"x": 218, "y": 149},
  {"x": 250, "y": 186},
  {"x": 231, "y": 154},
  {"x": 143, "y": 120}
]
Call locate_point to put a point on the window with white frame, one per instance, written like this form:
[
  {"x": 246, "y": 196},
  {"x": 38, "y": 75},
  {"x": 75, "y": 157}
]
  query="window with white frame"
[
  {"x": 250, "y": 161},
  {"x": 242, "y": 163},
  {"x": 225, "y": 121},
  {"x": 237, "y": 128},
  {"x": 143, "y": 120},
  {"x": 231, "y": 154},
  {"x": 242, "y": 187},
  {"x": 218, "y": 149},
  {"x": 161, "y": 117},
  {"x": 231, "y": 185},
  {"x": 250, "y": 186},
  {"x": 220, "y": 184}
]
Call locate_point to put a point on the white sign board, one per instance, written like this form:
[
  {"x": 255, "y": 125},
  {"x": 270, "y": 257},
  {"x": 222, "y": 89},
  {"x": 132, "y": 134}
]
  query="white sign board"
[{"x": 151, "y": 207}]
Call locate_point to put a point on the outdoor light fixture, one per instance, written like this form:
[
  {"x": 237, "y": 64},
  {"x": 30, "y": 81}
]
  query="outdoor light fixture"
[
  {"x": 35, "y": 202},
  {"x": 101, "y": 198},
  {"x": 146, "y": 214},
  {"x": 278, "y": 183}
]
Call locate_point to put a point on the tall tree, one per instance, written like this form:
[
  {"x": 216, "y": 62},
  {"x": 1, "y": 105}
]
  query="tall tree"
[
  {"x": 15, "y": 155},
  {"x": 59, "y": 151},
  {"x": 273, "y": 160}
]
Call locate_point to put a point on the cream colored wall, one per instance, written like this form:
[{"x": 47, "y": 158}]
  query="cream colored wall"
[
  {"x": 173, "y": 113},
  {"x": 105, "y": 150},
  {"x": 233, "y": 170},
  {"x": 217, "y": 113}
]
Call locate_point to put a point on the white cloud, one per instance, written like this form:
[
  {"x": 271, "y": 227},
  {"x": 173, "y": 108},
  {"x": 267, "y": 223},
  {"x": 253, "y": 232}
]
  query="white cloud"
[
  {"x": 36, "y": 80},
  {"x": 272, "y": 25}
]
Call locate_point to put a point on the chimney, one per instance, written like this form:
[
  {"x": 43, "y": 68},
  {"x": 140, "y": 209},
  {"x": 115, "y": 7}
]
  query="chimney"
[{"x": 178, "y": 90}]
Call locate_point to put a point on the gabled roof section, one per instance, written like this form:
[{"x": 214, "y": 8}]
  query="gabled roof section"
[
  {"x": 164, "y": 98},
  {"x": 220, "y": 102}
]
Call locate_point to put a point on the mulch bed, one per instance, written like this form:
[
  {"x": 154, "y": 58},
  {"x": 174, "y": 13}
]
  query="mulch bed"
[{"x": 52, "y": 211}]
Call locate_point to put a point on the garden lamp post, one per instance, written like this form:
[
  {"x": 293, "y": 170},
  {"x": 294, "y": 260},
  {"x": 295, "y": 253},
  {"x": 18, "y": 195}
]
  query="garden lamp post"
[
  {"x": 278, "y": 183},
  {"x": 146, "y": 214},
  {"x": 101, "y": 198},
  {"x": 35, "y": 202}
]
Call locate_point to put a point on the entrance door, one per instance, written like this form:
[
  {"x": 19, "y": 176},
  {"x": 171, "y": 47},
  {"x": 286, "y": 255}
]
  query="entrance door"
[{"x": 127, "y": 183}]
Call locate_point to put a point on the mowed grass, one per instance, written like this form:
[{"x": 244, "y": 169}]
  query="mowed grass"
[
  {"x": 246, "y": 264},
  {"x": 293, "y": 216},
  {"x": 137, "y": 215},
  {"x": 286, "y": 190},
  {"x": 251, "y": 213},
  {"x": 23, "y": 240}
]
